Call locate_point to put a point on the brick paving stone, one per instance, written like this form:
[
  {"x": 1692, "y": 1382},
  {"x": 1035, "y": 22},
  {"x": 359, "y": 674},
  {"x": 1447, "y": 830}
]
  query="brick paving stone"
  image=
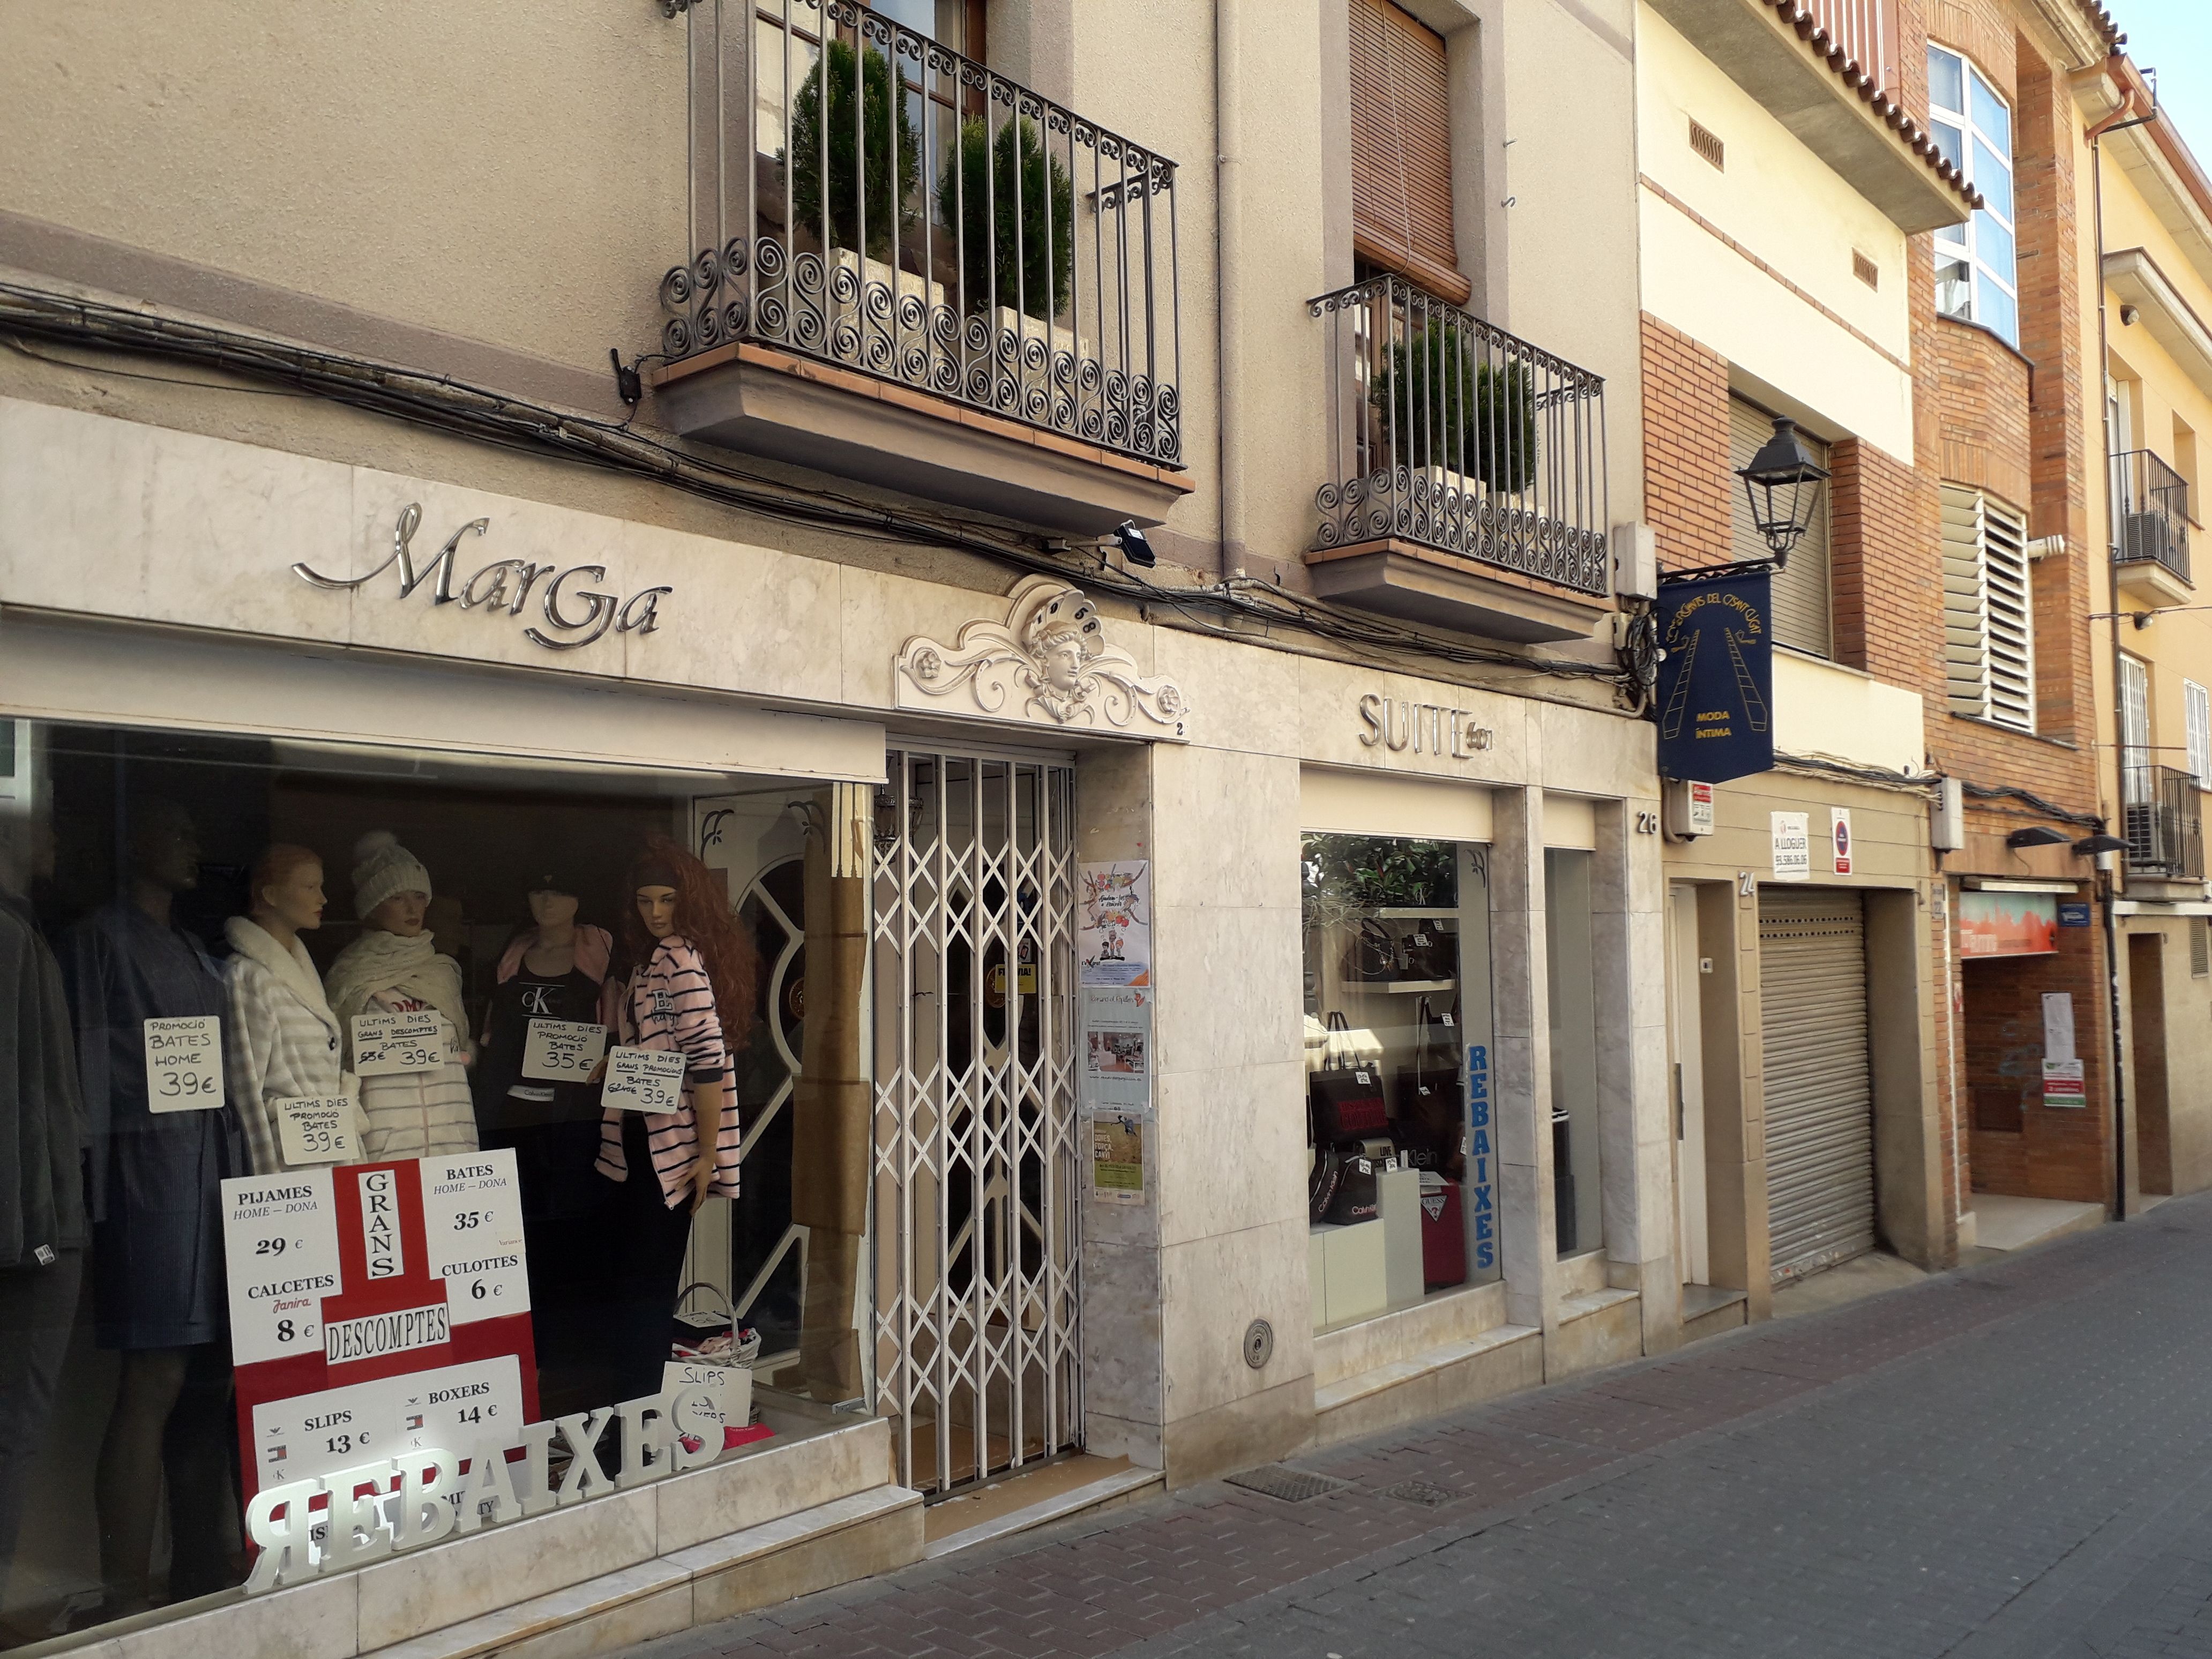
[{"x": 2014, "y": 1461}]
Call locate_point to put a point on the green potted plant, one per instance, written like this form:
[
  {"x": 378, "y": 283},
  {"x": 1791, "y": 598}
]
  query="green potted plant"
[
  {"x": 880, "y": 146},
  {"x": 976, "y": 198},
  {"x": 1442, "y": 411}
]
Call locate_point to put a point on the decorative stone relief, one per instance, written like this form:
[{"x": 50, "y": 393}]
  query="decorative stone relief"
[{"x": 1047, "y": 664}]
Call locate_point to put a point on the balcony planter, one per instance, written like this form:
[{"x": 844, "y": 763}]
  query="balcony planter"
[
  {"x": 990, "y": 203},
  {"x": 851, "y": 157},
  {"x": 1440, "y": 410}
]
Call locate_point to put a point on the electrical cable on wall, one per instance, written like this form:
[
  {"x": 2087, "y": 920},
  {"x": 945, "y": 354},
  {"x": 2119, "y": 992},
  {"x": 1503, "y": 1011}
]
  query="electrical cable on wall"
[{"x": 441, "y": 403}]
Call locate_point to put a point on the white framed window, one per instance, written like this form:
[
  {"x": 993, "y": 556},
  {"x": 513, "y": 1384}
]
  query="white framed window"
[
  {"x": 2196, "y": 708},
  {"x": 1989, "y": 623},
  {"x": 1977, "y": 264},
  {"x": 2135, "y": 731}
]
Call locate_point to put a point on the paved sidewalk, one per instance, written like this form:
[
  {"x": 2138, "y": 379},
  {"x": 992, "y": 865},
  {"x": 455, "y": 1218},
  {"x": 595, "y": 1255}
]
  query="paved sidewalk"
[{"x": 2012, "y": 1460}]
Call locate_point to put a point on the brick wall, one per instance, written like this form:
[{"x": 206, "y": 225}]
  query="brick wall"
[
  {"x": 1687, "y": 484},
  {"x": 2055, "y": 1152},
  {"x": 1887, "y": 592}
]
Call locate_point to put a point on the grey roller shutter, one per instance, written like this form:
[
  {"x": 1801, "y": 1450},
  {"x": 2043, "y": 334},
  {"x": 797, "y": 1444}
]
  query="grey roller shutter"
[
  {"x": 1820, "y": 1096},
  {"x": 1801, "y": 589}
]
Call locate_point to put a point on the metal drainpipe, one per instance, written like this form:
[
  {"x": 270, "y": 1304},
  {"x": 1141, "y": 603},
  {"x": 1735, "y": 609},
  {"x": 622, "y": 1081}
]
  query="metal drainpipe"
[
  {"x": 1229, "y": 240},
  {"x": 2113, "y": 123}
]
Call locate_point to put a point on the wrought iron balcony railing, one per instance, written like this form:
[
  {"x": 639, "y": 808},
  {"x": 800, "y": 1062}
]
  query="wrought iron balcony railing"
[
  {"x": 1447, "y": 431},
  {"x": 877, "y": 201},
  {"x": 2164, "y": 823},
  {"x": 2150, "y": 511}
]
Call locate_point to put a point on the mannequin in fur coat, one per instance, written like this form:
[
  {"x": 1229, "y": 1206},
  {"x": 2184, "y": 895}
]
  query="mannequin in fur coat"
[{"x": 283, "y": 1038}]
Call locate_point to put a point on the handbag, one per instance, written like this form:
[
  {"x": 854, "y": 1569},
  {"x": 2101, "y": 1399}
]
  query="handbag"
[
  {"x": 1345, "y": 1100},
  {"x": 1373, "y": 955},
  {"x": 1357, "y": 1198},
  {"x": 1428, "y": 951},
  {"x": 1322, "y": 1181},
  {"x": 1429, "y": 1126}
]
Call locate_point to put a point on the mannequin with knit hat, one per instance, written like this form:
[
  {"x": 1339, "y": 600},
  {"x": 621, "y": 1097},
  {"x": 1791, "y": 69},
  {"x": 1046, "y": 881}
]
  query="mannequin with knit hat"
[{"x": 394, "y": 968}]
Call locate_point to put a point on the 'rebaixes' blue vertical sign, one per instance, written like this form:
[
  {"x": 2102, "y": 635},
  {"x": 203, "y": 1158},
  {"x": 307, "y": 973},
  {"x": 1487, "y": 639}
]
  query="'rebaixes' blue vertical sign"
[{"x": 1715, "y": 690}]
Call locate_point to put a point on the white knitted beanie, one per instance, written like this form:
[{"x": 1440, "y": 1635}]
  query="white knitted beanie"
[{"x": 381, "y": 867}]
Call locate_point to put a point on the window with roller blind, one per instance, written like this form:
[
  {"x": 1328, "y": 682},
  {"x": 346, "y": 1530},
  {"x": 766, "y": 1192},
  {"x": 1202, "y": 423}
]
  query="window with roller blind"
[
  {"x": 1401, "y": 169},
  {"x": 1801, "y": 589}
]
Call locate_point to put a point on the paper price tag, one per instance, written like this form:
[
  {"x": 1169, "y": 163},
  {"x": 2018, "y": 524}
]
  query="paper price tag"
[
  {"x": 385, "y": 1045},
  {"x": 562, "y": 1050},
  {"x": 473, "y": 1231},
  {"x": 184, "y": 1063},
  {"x": 280, "y": 1238},
  {"x": 644, "y": 1079},
  {"x": 318, "y": 1129}
]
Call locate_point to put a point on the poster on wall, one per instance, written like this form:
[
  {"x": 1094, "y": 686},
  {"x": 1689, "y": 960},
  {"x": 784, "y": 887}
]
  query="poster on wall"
[
  {"x": 1717, "y": 682},
  {"x": 1793, "y": 845},
  {"x": 1114, "y": 1087},
  {"x": 376, "y": 1309},
  {"x": 1113, "y": 922},
  {"x": 2007, "y": 924}
]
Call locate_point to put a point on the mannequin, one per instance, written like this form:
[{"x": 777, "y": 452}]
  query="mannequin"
[
  {"x": 553, "y": 970},
  {"x": 691, "y": 987},
  {"x": 283, "y": 1039},
  {"x": 394, "y": 968},
  {"x": 42, "y": 1217},
  {"x": 153, "y": 1181}
]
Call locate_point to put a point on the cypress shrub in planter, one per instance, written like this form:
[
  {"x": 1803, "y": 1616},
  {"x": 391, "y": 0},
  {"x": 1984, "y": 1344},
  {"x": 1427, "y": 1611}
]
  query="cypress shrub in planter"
[
  {"x": 885, "y": 126},
  {"x": 977, "y": 202},
  {"x": 1425, "y": 389}
]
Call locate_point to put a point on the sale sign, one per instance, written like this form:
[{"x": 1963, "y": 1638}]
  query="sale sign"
[{"x": 371, "y": 1302}]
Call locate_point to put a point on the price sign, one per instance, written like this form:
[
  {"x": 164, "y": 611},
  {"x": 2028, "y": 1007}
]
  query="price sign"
[
  {"x": 562, "y": 1050},
  {"x": 472, "y": 1234},
  {"x": 644, "y": 1079},
  {"x": 729, "y": 1391},
  {"x": 385, "y": 1045},
  {"x": 457, "y": 1406},
  {"x": 184, "y": 1063},
  {"x": 280, "y": 1237},
  {"x": 318, "y": 1129}
]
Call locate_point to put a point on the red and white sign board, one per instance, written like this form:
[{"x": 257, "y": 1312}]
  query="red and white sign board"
[
  {"x": 1839, "y": 835},
  {"x": 377, "y": 1309}
]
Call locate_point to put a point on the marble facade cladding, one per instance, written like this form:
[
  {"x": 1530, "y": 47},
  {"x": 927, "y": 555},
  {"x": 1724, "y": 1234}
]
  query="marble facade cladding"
[{"x": 127, "y": 523}]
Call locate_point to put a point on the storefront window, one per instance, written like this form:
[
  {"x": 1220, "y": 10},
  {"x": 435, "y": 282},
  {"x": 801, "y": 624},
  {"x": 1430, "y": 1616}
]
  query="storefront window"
[
  {"x": 1578, "y": 1214},
  {"x": 369, "y": 1105},
  {"x": 1399, "y": 1139}
]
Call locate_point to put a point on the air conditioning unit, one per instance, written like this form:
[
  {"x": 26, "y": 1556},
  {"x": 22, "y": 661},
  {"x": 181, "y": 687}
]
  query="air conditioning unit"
[{"x": 2147, "y": 536}]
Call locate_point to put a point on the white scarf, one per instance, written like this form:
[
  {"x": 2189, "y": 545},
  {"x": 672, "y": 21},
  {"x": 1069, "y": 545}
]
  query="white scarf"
[
  {"x": 292, "y": 967},
  {"x": 411, "y": 967}
]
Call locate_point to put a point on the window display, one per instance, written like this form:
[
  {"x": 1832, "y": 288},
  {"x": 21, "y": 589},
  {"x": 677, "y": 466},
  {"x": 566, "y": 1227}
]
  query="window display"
[
  {"x": 365, "y": 1105},
  {"x": 1401, "y": 1168}
]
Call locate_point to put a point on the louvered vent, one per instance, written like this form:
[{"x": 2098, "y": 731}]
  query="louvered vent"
[
  {"x": 1707, "y": 144},
  {"x": 1989, "y": 636},
  {"x": 1865, "y": 269}
]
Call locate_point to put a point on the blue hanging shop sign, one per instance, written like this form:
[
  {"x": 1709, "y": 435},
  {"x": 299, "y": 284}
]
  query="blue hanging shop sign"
[{"x": 1715, "y": 694}]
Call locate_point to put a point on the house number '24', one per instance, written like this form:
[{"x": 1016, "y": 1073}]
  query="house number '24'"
[{"x": 506, "y": 585}]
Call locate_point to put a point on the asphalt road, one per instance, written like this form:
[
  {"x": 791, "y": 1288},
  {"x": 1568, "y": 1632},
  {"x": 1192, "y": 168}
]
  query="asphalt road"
[{"x": 2012, "y": 1459}]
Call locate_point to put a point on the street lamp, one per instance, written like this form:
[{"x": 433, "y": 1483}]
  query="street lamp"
[{"x": 1782, "y": 484}]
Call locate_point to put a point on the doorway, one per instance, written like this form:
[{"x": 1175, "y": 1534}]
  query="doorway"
[
  {"x": 2147, "y": 1055},
  {"x": 1686, "y": 1018}
]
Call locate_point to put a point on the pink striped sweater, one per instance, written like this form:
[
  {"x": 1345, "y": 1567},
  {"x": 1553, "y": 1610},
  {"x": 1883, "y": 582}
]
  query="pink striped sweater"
[{"x": 671, "y": 1005}]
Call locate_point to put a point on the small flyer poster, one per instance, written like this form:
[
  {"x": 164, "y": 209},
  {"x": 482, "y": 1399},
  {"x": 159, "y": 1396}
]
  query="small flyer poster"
[
  {"x": 184, "y": 1063},
  {"x": 2063, "y": 1083},
  {"x": 562, "y": 1050},
  {"x": 1117, "y": 1048},
  {"x": 1793, "y": 845},
  {"x": 1840, "y": 834},
  {"x": 1113, "y": 922},
  {"x": 643, "y": 1080},
  {"x": 1117, "y": 1156},
  {"x": 387, "y": 1045}
]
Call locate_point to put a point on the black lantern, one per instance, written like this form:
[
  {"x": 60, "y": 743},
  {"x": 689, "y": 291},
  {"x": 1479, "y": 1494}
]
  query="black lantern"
[{"x": 1782, "y": 484}]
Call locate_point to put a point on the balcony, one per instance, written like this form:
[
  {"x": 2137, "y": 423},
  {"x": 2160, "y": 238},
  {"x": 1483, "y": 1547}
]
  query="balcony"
[
  {"x": 1467, "y": 484},
  {"x": 2163, "y": 824},
  {"x": 1827, "y": 70},
  {"x": 2150, "y": 523},
  {"x": 913, "y": 273}
]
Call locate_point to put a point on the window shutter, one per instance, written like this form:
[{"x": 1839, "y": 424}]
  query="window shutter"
[
  {"x": 2197, "y": 704},
  {"x": 1800, "y": 590},
  {"x": 2200, "y": 948},
  {"x": 1401, "y": 173},
  {"x": 1989, "y": 634}
]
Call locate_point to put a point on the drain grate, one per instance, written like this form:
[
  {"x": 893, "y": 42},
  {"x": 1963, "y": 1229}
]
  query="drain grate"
[
  {"x": 1291, "y": 1485},
  {"x": 1419, "y": 1492}
]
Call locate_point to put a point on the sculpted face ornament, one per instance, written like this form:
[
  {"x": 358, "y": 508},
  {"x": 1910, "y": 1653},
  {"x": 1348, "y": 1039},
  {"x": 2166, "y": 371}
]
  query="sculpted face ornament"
[
  {"x": 1048, "y": 663},
  {"x": 576, "y": 615}
]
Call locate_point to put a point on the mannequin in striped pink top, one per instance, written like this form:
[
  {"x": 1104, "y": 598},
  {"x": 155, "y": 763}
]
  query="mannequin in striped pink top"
[{"x": 689, "y": 987}]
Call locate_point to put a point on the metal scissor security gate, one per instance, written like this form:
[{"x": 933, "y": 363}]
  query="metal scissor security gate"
[
  {"x": 975, "y": 1192},
  {"x": 1820, "y": 1093}
]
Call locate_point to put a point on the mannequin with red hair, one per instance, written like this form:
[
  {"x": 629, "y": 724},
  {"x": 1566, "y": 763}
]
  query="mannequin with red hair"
[{"x": 688, "y": 986}]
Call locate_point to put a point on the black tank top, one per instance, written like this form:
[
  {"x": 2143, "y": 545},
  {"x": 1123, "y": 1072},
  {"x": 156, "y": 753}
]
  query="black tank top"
[{"x": 505, "y": 1098}]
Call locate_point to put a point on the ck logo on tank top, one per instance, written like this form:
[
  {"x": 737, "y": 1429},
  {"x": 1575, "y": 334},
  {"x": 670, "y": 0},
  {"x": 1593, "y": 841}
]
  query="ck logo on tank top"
[{"x": 534, "y": 999}]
